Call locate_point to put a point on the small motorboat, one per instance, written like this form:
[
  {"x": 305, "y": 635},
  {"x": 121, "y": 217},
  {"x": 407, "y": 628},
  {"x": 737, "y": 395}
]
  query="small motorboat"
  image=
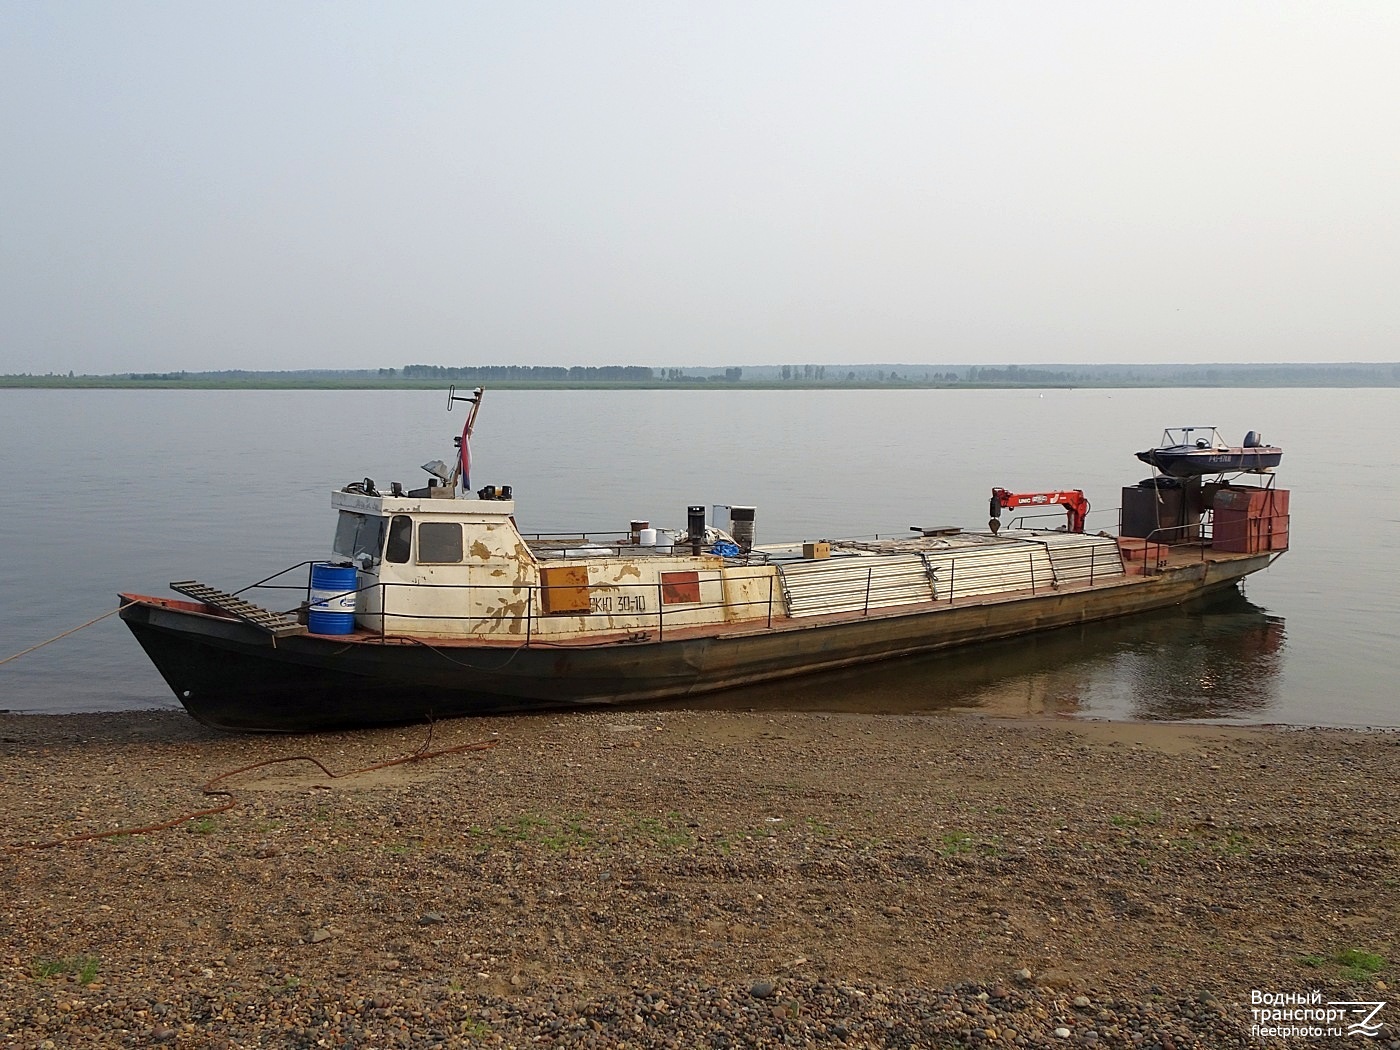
[{"x": 1192, "y": 452}]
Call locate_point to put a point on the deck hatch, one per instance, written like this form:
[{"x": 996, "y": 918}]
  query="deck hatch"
[
  {"x": 1081, "y": 558},
  {"x": 848, "y": 584},
  {"x": 1001, "y": 568}
]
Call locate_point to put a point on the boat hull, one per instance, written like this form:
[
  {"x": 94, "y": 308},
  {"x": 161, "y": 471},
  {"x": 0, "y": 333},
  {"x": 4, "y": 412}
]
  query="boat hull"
[
  {"x": 1198, "y": 462},
  {"x": 230, "y": 675}
]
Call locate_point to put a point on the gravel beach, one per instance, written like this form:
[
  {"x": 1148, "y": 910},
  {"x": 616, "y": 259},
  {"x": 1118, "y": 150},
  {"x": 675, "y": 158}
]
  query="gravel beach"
[{"x": 695, "y": 879}]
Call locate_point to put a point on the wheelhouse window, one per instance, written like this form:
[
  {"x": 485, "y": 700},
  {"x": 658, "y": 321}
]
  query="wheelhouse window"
[
  {"x": 357, "y": 535},
  {"x": 400, "y": 542},
  {"x": 439, "y": 543}
]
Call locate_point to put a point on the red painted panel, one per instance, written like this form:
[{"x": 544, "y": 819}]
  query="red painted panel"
[{"x": 679, "y": 588}]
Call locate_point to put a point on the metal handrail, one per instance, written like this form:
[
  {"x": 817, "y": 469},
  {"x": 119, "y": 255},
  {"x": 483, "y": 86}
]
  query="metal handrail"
[
  {"x": 266, "y": 580},
  {"x": 965, "y": 578},
  {"x": 1207, "y": 532}
]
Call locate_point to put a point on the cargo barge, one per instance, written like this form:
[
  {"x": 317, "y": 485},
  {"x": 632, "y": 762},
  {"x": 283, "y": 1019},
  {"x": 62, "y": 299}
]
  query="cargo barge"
[{"x": 435, "y": 605}]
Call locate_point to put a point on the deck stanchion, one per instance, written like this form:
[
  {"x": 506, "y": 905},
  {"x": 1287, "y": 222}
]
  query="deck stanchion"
[
  {"x": 868, "y": 574},
  {"x": 1030, "y": 556}
]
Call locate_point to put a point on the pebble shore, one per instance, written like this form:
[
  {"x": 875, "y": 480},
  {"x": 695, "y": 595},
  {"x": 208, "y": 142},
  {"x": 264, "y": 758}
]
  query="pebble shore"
[{"x": 694, "y": 879}]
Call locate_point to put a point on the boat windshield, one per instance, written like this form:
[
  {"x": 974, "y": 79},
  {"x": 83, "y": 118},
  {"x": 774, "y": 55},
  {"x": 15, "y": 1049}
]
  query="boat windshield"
[
  {"x": 1192, "y": 437},
  {"x": 358, "y": 535}
]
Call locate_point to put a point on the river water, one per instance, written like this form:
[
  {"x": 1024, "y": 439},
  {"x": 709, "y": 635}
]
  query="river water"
[{"x": 127, "y": 490}]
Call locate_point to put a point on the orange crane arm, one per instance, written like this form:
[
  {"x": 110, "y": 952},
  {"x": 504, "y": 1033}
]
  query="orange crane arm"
[{"x": 1073, "y": 500}]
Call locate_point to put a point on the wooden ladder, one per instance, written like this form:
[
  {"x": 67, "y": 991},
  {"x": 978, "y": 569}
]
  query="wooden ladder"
[{"x": 275, "y": 624}]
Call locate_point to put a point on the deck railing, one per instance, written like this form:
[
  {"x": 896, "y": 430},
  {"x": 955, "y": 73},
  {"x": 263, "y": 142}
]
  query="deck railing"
[
  {"x": 1257, "y": 534},
  {"x": 624, "y": 609}
]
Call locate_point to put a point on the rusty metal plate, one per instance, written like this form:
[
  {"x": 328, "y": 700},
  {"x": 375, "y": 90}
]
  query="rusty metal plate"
[{"x": 564, "y": 589}]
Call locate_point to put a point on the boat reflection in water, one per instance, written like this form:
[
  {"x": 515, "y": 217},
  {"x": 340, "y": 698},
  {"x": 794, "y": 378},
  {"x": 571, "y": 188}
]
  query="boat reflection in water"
[
  {"x": 1218, "y": 660},
  {"x": 1224, "y": 666}
]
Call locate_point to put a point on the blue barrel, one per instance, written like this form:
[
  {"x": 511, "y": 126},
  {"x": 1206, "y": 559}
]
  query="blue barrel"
[{"x": 332, "y": 608}]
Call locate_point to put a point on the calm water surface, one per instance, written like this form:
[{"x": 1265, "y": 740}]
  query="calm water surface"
[{"x": 112, "y": 490}]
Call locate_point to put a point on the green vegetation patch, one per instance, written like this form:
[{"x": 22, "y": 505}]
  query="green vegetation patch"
[
  {"x": 559, "y": 833},
  {"x": 670, "y": 831},
  {"x": 1355, "y": 964},
  {"x": 83, "y": 967},
  {"x": 953, "y": 843}
]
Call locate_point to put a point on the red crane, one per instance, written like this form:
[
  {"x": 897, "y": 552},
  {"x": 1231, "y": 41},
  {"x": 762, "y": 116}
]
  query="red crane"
[{"x": 1073, "y": 500}]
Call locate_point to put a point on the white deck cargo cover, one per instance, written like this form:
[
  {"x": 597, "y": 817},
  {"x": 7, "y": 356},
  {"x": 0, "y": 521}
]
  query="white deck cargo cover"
[
  {"x": 1078, "y": 557},
  {"x": 854, "y": 582},
  {"x": 966, "y": 570}
]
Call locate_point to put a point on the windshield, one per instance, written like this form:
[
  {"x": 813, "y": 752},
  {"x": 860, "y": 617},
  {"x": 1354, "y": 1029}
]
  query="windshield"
[{"x": 359, "y": 534}]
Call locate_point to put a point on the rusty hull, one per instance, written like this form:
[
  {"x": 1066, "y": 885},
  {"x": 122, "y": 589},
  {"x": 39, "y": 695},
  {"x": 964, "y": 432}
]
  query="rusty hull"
[{"x": 228, "y": 675}]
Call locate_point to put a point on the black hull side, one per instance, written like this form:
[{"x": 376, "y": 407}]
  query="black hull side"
[{"x": 229, "y": 675}]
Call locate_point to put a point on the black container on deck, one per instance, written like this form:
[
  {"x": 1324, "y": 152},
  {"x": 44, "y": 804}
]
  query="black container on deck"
[
  {"x": 695, "y": 525},
  {"x": 1165, "y": 510},
  {"x": 741, "y": 526}
]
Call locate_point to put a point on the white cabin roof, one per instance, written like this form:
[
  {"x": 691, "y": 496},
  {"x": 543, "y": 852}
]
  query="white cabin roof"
[{"x": 466, "y": 509}]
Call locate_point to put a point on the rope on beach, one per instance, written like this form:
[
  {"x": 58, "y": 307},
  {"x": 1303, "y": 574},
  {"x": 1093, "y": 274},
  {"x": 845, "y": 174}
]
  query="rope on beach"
[
  {"x": 65, "y": 634},
  {"x": 422, "y": 754}
]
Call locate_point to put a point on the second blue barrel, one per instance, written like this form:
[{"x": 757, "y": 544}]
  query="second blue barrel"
[{"x": 332, "y": 607}]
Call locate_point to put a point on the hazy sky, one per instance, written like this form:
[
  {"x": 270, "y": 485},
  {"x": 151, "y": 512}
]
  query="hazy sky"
[{"x": 298, "y": 185}]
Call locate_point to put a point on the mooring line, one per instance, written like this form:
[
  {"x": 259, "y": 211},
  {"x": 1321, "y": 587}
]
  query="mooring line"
[
  {"x": 210, "y": 788},
  {"x": 65, "y": 634}
]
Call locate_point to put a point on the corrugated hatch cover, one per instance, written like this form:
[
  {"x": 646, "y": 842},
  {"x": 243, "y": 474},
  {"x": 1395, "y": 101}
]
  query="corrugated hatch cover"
[
  {"x": 943, "y": 571},
  {"x": 966, "y": 572},
  {"x": 1082, "y": 558},
  {"x": 851, "y": 583}
]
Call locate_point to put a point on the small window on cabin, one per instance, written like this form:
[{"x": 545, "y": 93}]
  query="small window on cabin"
[
  {"x": 439, "y": 543},
  {"x": 357, "y": 535},
  {"x": 400, "y": 539}
]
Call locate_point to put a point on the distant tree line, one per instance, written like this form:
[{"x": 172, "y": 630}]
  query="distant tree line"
[
  {"x": 1317, "y": 374},
  {"x": 679, "y": 375},
  {"x": 1017, "y": 374},
  {"x": 492, "y": 373}
]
